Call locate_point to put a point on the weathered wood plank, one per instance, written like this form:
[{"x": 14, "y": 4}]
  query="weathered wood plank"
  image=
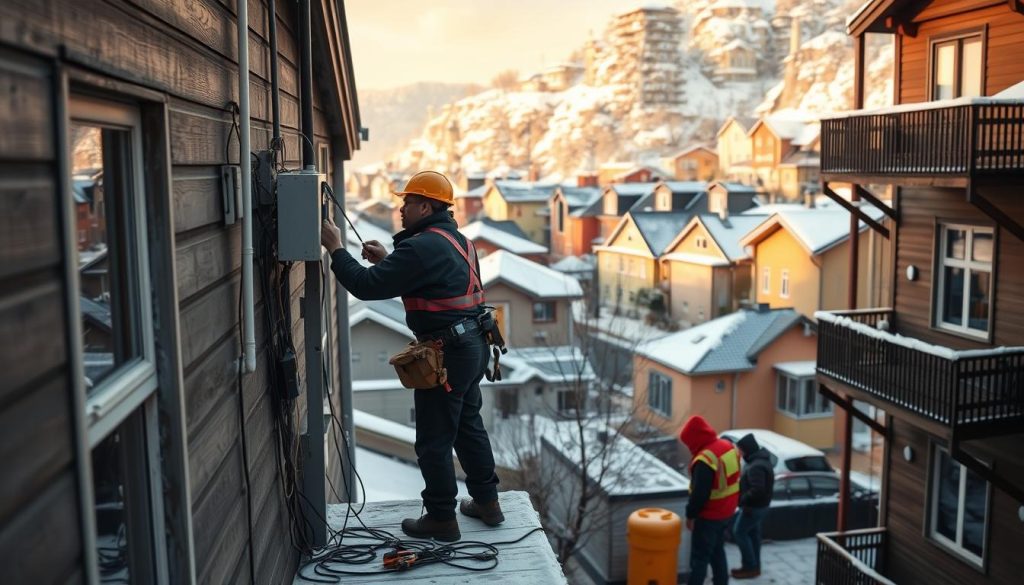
[
  {"x": 212, "y": 447},
  {"x": 34, "y": 317},
  {"x": 199, "y": 134},
  {"x": 206, "y": 259},
  {"x": 25, "y": 112},
  {"x": 42, "y": 544},
  {"x": 38, "y": 444},
  {"x": 197, "y": 198},
  {"x": 215, "y": 565},
  {"x": 28, "y": 224}
]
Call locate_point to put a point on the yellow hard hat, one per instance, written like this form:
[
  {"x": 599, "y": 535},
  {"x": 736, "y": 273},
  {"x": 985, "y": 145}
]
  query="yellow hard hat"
[{"x": 431, "y": 185}]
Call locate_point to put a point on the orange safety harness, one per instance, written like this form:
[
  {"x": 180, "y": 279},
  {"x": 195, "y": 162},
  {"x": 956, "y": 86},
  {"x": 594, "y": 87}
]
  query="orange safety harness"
[{"x": 474, "y": 292}]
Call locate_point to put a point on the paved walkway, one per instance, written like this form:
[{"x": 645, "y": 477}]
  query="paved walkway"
[{"x": 786, "y": 562}]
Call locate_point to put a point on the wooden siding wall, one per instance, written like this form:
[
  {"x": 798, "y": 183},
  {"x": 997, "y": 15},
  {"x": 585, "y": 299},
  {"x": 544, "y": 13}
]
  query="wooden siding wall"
[
  {"x": 186, "y": 50},
  {"x": 40, "y": 538},
  {"x": 1004, "y": 44},
  {"x": 919, "y": 210},
  {"x": 912, "y": 558}
]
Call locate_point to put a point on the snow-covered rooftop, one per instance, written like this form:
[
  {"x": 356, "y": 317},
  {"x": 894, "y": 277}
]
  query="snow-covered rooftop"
[
  {"x": 800, "y": 369},
  {"x": 574, "y": 264},
  {"x": 727, "y": 344},
  {"x": 525, "y": 191},
  {"x": 561, "y": 364},
  {"x": 479, "y": 230},
  {"x": 577, "y": 197},
  {"x": 659, "y": 228},
  {"x": 536, "y": 280},
  {"x": 817, "y": 229},
  {"x": 727, "y": 233}
]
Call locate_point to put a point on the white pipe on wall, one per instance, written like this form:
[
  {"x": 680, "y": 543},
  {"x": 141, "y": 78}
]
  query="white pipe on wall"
[{"x": 244, "y": 160}]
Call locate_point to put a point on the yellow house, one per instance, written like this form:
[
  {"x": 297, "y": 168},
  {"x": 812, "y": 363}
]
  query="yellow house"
[
  {"x": 734, "y": 150},
  {"x": 627, "y": 264},
  {"x": 801, "y": 259},
  {"x": 705, "y": 270},
  {"x": 523, "y": 202},
  {"x": 775, "y": 141},
  {"x": 750, "y": 369}
]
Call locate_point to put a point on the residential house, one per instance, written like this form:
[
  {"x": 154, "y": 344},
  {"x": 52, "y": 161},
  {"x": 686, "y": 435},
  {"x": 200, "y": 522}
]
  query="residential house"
[
  {"x": 802, "y": 258},
  {"x": 676, "y": 196},
  {"x": 562, "y": 76},
  {"x": 623, "y": 478},
  {"x": 734, "y": 61},
  {"x": 618, "y": 199},
  {"x": 748, "y": 369},
  {"x": 726, "y": 198},
  {"x": 943, "y": 354},
  {"x": 521, "y": 202},
  {"x": 574, "y": 221},
  {"x": 90, "y": 217},
  {"x": 533, "y": 301},
  {"x": 785, "y": 137},
  {"x": 627, "y": 265},
  {"x": 384, "y": 214},
  {"x": 735, "y": 150},
  {"x": 357, "y": 185},
  {"x": 469, "y": 205},
  {"x": 705, "y": 271},
  {"x": 489, "y": 236},
  {"x": 137, "y": 445},
  {"x": 696, "y": 163}
]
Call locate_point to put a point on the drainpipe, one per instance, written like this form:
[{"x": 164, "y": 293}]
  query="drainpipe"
[
  {"x": 244, "y": 160},
  {"x": 275, "y": 94}
]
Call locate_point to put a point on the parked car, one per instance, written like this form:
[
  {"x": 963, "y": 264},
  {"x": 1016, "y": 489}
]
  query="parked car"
[{"x": 805, "y": 500}]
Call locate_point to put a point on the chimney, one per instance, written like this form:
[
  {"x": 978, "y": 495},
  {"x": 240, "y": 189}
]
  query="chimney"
[
  {"x": 586, "y": 180},
  {"x": 534, "y": 173}
]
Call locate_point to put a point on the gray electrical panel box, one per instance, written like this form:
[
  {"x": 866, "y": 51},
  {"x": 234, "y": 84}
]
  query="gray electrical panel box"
[{"x": 298, "y": 216}]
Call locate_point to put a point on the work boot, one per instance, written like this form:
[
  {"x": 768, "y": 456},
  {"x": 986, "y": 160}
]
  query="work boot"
[
  {"x": 745, "y": 573},
  {"x": 490, "y": 512},
  {"x": 427, "y": 527}
]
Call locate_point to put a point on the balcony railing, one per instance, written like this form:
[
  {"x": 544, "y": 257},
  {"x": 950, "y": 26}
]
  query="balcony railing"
[
  {"x": 963, "y": 390},
  {"x": 851, "y": 558},
  {"x": 966, "y": 138}
]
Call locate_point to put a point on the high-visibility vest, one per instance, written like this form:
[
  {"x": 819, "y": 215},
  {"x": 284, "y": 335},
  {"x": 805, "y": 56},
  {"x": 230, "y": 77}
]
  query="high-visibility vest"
[
  {"x": 474, "y": 292},
  {"x": 724, "y": 461}
]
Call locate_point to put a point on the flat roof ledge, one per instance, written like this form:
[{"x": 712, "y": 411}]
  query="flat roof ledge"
[{"x": 530, "y": 561}]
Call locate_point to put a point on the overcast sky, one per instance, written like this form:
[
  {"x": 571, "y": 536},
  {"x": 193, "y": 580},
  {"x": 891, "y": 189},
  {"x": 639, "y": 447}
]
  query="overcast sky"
[{"x": 396, "y": 42}]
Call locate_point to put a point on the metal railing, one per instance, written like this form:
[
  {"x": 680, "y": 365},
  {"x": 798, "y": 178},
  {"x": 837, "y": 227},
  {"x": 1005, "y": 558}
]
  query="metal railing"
[
  {"x": 964, "y": 140},
  {"x": 955, "y": 389},
  {"x": 855, "y": 557}
]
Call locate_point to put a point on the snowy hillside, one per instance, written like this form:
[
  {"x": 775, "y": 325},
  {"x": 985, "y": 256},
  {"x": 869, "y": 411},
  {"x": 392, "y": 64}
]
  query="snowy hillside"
[{"x": 657, "y": 80}]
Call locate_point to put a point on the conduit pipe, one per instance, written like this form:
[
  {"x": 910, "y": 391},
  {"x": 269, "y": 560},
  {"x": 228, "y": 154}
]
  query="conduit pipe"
[{"x": 244, "y": 160}]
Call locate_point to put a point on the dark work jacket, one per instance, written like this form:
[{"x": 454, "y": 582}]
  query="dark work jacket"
[
  {"x": 423, "y": 265},
  {"x": 757, "y": 481},
  {"x": 702, "y": 478}
]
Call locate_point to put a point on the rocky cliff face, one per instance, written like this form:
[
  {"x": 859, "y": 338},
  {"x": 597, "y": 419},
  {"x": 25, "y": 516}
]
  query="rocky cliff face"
[{"x": 656, "y": 81}]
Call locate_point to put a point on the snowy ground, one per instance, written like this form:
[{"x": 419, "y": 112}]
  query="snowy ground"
[{"x": 386, "y": 478}]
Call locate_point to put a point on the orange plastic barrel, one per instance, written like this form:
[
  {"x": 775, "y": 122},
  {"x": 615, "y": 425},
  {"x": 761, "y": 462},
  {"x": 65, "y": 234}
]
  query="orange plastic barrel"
[{"x": 654, "y": 535}]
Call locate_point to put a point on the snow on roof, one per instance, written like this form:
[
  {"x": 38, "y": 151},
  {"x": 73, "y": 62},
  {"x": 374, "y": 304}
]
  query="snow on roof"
[
  {"x": 571, "y": 264},
  {"x": 383, "y": 426},
  {"x": 616, "y": 464},
  {"x": 693, "y": 148},
  {"x": 817, "y": 229},
  {"x": 910, "y": 342},
  {"x": 781, "y": 446},
  {"x": 561, "y": 364},
  {"x": 389, "y": 313},
  {"x": 733, "y": 187},
  {"x": 788, "y": 124},
  {"x": 479, "y": 230},
  {"x": 726, "y": 344},
  {"x": 1012, "y": 98},
  {"x": 368, "y": 231},
  {"x": 1013, "y": 92},
  {"x": 577, "y": 197},
  {"x": 536, "y": 280},
  {"x": 801, "y": 369},
  {"x": 525, "y": 191},
  {"x": 478, "y": 191},
  {"x": 729, "y": 232},
  {"x": 659, "y": 228},
  {"x": 687, "y": 186},
  {"x": 633, "y": 189}
]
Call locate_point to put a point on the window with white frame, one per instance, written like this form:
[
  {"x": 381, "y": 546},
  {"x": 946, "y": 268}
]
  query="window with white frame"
[
  {"x": 568, "y": 401},
  {"x": 544, "y": 312},
  {"x": 659, "y": 393},
  {"x": 958, "y": 510},
  {"x": 117, "y": 343},
  {"x": 766, "y": 280},
  {"x": 799, "y": 397},
  {"x": 784, "y": 284},
  {"x": 964, "y": 279}
]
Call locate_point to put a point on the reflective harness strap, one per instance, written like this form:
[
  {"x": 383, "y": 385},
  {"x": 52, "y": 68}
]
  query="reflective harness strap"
[
  {"x": 474, "y": 291},
  {"x": 724, "y": 467}
]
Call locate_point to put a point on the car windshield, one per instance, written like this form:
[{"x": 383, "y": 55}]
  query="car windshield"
[{"x": 810, "y": 463}]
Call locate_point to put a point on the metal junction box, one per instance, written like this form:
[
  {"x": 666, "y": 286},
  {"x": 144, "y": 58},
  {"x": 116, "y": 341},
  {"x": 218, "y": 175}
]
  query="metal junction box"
[{"x": 298, "y": 216}]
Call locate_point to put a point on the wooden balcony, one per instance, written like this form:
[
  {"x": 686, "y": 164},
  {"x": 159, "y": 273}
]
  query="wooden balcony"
[
  {"x": 969, "y": 394},
  {"x": 939, "y": 143},
  {"x": 856, "y": 557}
]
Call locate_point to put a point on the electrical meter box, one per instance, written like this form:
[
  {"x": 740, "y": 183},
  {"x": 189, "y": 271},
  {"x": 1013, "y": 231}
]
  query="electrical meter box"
[{"x": 298, "y": 216}]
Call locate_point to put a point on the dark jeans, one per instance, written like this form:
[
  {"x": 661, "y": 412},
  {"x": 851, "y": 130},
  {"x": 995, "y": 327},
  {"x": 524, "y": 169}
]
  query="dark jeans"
[
  {"x": 747, "y": 532},
  {"x": 708, "y": 547},
  {"x": 452, "y": 419}
]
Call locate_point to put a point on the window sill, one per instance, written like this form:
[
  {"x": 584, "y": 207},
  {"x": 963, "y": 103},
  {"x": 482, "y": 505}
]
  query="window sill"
[
  {"x": 788, "y": 414},
  {"x": 958, "y": 554},
  {"x": 963, "y": 333}
]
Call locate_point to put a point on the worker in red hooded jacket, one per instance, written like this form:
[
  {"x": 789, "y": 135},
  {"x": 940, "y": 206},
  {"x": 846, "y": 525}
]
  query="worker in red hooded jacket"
[{"x": 714, "y": 495}]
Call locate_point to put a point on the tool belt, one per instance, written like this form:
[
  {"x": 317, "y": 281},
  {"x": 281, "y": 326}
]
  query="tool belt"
[
  {"x": 421, "y": 365},
  {"x": 492, "y": 334}
]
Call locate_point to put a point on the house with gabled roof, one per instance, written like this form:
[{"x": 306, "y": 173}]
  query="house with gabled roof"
[
  {"x": 734, "y": 148},
  {"x": 490, "y": 236},
  {"x": 469, "y": 204},
  {"x": 627, "y": 263},
  {"x": 801, "y": 258},
  {"x": 573, "y": 224},
  {"x": 698, "y": 162},
  {"x": 522, "y": 202},
  {"x": 775, "y": 139},
  {"x": 705, "y": 271},
  {"x": 750, "y": 369},
  {"x": 618, "y": 199}
]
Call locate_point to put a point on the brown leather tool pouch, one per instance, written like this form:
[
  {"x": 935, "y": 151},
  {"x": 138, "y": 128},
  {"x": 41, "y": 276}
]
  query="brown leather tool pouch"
[{"x": 421, "y": 365}]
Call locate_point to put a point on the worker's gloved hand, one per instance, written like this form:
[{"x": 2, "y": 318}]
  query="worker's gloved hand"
[
  {"x": 330, "y": 235},
  {"x": 373, "y": 251}
]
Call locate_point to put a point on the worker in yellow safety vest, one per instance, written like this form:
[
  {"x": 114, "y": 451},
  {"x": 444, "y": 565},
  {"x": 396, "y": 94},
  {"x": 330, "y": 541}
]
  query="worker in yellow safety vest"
[{"x": 714, "y": 495}]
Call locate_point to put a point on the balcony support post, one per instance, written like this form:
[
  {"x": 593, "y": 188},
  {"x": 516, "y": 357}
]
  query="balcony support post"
[
  {"x": 1002, "y": 220},
  {"x": 847, "y": 404},
  {"x": 870, "y": 197},
  {"x": 856, "y": 213}
]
